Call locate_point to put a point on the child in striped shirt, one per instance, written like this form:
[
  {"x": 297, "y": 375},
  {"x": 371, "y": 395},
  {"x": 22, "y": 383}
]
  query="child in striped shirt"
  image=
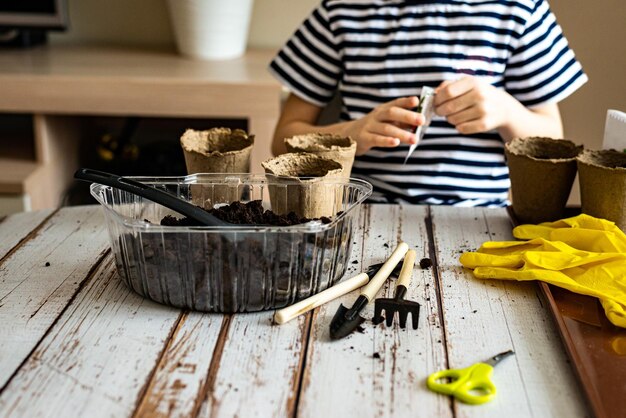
[{"x": 499, "y": 68}]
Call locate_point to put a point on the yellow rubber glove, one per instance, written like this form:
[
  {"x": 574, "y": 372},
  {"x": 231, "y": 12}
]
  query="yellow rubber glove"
[
  {"x": 583, "y": 232},
  {"x": 601, "y": 274}
]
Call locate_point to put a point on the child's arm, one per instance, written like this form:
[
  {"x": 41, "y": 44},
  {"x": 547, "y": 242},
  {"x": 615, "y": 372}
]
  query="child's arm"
[
  {"x": 473, "y": 106},
  {"x": 385, "y": 126}
]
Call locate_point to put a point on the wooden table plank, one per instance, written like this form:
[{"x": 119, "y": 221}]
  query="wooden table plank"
[
  {"x": 321, "y": 319},
  {"x": 483, "y": 318},
  {"x": 14, "y": 228},
  {"x": 259, "y": 368},
  {"x": 319, "y": 330},
  {"x": 98, "y": 357},
  {"x": 182, "y": 377},
  {"x": 33, "y": 295},
  {"x": 381, "y": 371}
]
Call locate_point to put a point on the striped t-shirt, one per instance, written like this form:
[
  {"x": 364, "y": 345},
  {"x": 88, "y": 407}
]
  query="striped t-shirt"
[{"x": 374, "y": 51}]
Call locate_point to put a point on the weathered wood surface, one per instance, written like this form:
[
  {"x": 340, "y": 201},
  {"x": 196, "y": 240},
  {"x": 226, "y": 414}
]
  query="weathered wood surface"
[
  {"x": 184, "y": 371},
  {"x": 97, "y": 358},
  {"x": 17, "y": 227},
  {"x": 484, "y": 318},
  {"x": 259, "y": 370},
  {"x": 39, "y": 279},
  {"x": 76, "y": 342},
  {"x": 381, "y": 371}
]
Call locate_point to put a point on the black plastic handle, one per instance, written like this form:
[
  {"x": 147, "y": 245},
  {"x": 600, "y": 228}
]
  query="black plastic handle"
[{"x": 150, "y": 193}]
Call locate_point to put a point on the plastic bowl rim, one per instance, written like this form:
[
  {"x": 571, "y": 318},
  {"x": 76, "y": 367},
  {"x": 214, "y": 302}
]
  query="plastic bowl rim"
[{"x": 310, "y": 227}]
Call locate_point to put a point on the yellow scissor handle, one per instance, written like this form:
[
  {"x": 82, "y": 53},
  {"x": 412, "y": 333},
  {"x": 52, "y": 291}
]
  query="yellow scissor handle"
[{"x": 471, "y": 385}]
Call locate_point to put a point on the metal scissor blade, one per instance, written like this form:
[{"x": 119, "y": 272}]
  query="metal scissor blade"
[{"x": 499, "y": 357}]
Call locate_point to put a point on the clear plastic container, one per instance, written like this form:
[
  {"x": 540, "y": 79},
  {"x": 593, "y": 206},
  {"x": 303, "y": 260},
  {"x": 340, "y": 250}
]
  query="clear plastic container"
[{"x": 235, "y": 268}]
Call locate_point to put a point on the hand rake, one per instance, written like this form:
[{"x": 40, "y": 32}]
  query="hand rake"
[{"x": 398, "y": 304}]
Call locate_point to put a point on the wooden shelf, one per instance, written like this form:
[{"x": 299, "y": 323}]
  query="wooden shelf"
[
  {"x": 17, "y": 137},
  {"x": 16, "y": 176},
  {"x": 122, "y": 81}
]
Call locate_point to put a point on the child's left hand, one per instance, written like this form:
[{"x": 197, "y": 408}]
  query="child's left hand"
[{"x": 473, "y": 105}]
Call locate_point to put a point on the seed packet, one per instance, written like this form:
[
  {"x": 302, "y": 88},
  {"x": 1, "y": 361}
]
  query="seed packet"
[{"x": 427, "y": 108}]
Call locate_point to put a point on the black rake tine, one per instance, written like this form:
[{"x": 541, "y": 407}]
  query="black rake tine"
[
  {"x": 416, "y": 316},
  {"x": 389, "y": 317},
  {"x": 378, "y": 315},
  {"x": 415, "y": 321},
  {"x": 373, "y": 269},
  {"x": 403, "y": 317}
]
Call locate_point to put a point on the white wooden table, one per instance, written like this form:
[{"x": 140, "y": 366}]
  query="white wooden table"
[{"x": 75, "y": 342}]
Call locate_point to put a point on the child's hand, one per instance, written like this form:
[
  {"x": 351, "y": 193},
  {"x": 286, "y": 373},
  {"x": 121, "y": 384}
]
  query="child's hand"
[
  {"x": 473, "y": 105},
  {"x": 385, "y": 125}
]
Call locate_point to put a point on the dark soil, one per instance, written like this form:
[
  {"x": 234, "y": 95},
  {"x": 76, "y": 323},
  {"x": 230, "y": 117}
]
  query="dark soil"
[
  {"x": 425, "y": 263},
  {"x": 251, "y": 213},
  {"x": 234, "y": 272}
]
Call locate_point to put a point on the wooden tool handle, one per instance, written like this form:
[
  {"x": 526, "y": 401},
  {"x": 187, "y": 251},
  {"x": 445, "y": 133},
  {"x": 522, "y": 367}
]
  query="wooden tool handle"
[
  {"x": 407, "y": 269},
  {"x": 290, "y": 312},
  {"x": 377, "y": 281}
]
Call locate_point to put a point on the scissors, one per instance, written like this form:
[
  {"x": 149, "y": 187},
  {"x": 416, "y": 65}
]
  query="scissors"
[{"x": 471, "y": 385}]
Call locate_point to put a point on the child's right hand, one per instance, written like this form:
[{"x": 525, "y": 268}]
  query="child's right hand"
[{"x": 385, "y": 125}]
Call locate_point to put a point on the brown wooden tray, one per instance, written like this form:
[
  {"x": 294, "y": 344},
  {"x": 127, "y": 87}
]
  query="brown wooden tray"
[{"x": 596, "y": 347}]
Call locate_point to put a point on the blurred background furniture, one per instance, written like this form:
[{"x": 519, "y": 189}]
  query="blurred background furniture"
[
  {"x": 60, "y": 87},
  {"x": 595, "y": 32}
]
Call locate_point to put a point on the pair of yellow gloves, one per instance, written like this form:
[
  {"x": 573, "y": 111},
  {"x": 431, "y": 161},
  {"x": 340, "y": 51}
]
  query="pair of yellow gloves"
[{"x": 583, "y": 254}]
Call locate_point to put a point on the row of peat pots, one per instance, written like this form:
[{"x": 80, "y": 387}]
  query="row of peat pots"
[{"x": 543, "y": 171}]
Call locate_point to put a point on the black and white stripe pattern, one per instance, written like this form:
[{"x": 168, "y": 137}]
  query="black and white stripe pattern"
[{"x": 374, "y": 51}]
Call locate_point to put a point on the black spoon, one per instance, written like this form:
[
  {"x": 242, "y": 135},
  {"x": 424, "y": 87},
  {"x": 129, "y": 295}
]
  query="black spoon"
[{"x": 157, "y": 196}]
